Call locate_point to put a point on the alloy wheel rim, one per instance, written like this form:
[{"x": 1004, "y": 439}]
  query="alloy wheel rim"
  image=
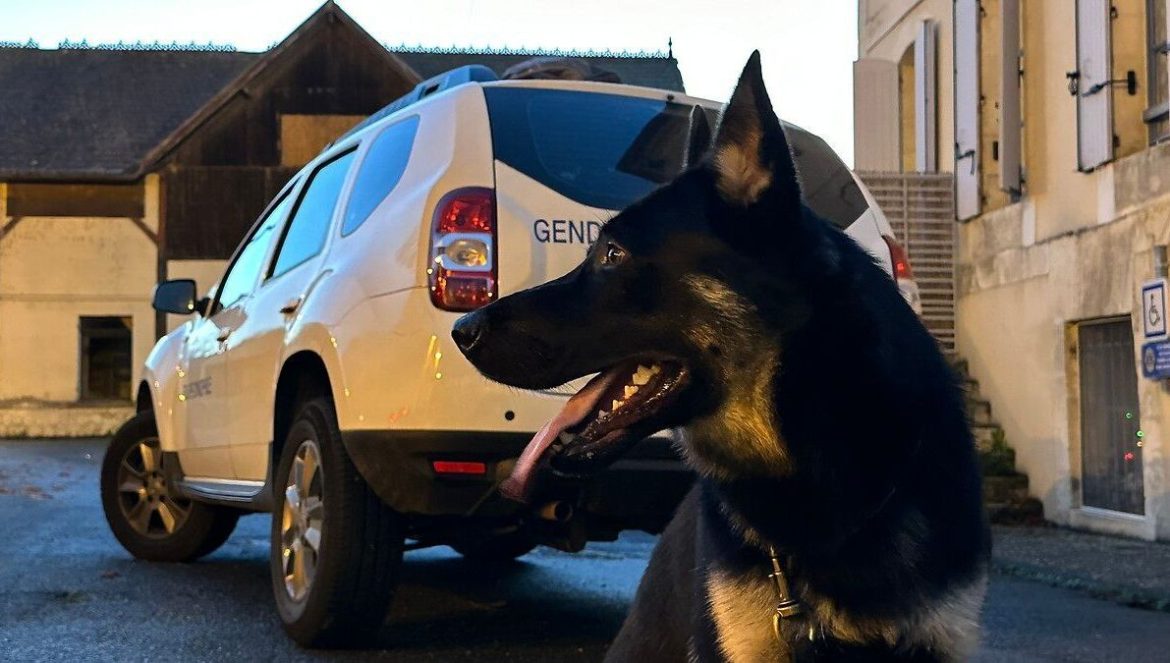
[
  {"x": 144, "y": 496},
  {"x": 302, "y": 517}
]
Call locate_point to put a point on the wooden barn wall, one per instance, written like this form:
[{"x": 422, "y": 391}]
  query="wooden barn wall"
[
  {"x": 209, "y": 209},
  {"x": 335, "y": 72}
]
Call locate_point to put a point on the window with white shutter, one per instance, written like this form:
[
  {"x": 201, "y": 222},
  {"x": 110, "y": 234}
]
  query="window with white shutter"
[
  {"x": 875, "y": 115},
  {"x": 1010, "y": 179},
  {"x": 925, "y": 97},
  {"x": 966, "y": 57},
  {"x": 1157, "y": 114},
  {"x": 1093, "y": 89}
]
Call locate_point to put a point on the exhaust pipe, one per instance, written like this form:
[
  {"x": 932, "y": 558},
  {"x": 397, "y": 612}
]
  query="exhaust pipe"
[{"x": 557, "y": 512}]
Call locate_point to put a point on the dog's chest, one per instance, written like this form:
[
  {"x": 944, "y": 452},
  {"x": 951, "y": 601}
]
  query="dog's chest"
[{"x": 741, "y": 608}]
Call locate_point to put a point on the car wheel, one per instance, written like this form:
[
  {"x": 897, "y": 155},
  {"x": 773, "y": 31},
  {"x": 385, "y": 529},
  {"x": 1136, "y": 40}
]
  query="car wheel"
[
  {"x": 145, "y": 513},
  {"x": 496, "y": 549},
  {"x": 336, "y": 547}
]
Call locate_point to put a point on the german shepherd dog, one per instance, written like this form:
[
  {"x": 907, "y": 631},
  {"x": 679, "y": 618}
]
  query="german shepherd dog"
[{"x": 837, "y": 514}]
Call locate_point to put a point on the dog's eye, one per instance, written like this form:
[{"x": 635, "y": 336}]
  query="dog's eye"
[{"x": 614, "y": 254}]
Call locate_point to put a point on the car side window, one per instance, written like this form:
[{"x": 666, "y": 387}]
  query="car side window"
[
  {"x": 380, "y": 171},
  {"x": 304, "y": 236},
  {"x": 245, "y": 271}
]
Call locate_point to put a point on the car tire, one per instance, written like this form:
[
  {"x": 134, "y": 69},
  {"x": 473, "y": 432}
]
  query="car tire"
[
  {"x": 143, "y": 511},
  {"x": 335, "y": 551},
  {"x": 499, "y": 549}
]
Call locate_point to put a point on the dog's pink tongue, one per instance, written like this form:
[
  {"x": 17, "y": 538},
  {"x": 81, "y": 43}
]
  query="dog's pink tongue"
[{"x": 516, "y": 486}]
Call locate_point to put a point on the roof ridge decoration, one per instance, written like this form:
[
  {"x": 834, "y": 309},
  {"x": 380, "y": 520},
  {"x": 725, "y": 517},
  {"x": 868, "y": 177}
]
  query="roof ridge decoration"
[
  {"x": 31, "y": 43},
  {"x": 140, "y": 45},
  {"x": 524, "y": 50}
]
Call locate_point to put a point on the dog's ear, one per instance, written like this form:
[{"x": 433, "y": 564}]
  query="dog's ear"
[
  {"x": 698, "y": 137},
  {"x": 752, "y": 158}
]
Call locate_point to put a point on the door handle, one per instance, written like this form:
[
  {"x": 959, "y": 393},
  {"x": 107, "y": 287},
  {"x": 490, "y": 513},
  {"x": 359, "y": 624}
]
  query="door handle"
[
  {"x": 224, "y": 333},
  {"x": 291, "y": 305}
]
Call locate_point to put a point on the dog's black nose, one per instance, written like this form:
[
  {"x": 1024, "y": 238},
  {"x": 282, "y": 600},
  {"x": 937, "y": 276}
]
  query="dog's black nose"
[{"x": 469, "y": 330}]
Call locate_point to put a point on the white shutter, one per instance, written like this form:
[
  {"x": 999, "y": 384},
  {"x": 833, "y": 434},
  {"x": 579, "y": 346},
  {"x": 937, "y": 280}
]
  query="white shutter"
[
  {"x": 875, "y": 115},
  {"x": 1009, "y": 108},
  {"x": 925, "y": 98},
  {"x": 1094, "y": 94},
  {"x": 967, "y": 202}
]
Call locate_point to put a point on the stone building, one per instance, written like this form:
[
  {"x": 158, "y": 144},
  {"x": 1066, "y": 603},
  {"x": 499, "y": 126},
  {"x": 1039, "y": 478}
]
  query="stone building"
[
  {"x": 120, "y": 167},
  {"x": 1053, "y": 119}
]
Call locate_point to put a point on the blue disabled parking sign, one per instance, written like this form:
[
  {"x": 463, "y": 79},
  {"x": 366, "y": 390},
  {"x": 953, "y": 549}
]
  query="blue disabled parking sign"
[{"x": 1154, "y": 308}]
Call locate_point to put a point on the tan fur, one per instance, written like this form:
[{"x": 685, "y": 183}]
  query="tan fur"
[
  {"x": 742, "y": 610},
  {"x": 948, "y": 625},
  {"x": 741, "y": 177},
  {"x": 742, "y": 436}
]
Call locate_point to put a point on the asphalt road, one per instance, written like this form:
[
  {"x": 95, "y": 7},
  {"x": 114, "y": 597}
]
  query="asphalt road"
[{"x": 68, "y": 592}]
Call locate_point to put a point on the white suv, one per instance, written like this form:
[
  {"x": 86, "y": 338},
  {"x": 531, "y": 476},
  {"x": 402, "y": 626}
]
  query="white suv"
[{"x": 319, "y": 381}]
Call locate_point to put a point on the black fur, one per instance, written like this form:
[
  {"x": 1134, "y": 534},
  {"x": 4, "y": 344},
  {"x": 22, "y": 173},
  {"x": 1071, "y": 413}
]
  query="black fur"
[{"x": 871, "y": 493}]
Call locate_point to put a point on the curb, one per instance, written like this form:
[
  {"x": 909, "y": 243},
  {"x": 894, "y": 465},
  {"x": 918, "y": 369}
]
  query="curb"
[{"x": 1132, "y": 597}]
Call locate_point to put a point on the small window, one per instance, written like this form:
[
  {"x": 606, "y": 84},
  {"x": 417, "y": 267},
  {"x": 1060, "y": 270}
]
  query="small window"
[
  {"x": 106, "y": 358},
  {"x": 381, "y": 169},
  {"x": 244, "y": 272},
  {"x": 306, "y": 230}
]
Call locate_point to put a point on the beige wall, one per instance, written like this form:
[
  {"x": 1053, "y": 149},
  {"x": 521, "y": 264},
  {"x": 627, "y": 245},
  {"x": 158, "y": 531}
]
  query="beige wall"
[
  {"x": 1017, "y": 306},
  {"x": 886, "y": 28},
  {"x": 54, "y": 270},
  {"x": 1076, "y": 247},
  {"x": 206, "y": 274}
]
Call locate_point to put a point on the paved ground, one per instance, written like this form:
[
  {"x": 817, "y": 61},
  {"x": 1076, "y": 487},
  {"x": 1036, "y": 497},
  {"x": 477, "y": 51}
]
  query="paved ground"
[
  {"x": 69, "y": 593},
  {"x": 1128, "y": 571}
]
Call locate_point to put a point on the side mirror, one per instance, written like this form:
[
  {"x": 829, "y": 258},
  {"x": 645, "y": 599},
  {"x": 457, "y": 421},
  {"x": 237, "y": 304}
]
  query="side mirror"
[{"x": 176, "y": 296}]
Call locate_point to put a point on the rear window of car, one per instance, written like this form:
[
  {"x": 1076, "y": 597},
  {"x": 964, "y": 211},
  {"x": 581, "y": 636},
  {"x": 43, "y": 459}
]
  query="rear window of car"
[
  {"x": 606, "y": 150},
  {"x": 601, "y": 150}
]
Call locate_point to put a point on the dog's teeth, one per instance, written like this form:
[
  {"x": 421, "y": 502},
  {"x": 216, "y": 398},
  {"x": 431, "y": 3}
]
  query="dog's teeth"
[
  {"x": 655, "y": 369},
  {"x": 642, "y": 375},
  {"x": 630, "y": 391},
  {"x": 617, "y": 404}
]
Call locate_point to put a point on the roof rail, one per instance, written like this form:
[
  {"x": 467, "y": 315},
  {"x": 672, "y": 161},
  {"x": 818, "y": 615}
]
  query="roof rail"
[{"x": 472, "y": 73}]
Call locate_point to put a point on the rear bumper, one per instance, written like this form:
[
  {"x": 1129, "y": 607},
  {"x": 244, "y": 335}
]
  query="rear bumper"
[{"x": 640, "y": 491}]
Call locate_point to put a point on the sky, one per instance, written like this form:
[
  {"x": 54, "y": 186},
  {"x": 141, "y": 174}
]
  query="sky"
[{"x": 807, "y": 46}]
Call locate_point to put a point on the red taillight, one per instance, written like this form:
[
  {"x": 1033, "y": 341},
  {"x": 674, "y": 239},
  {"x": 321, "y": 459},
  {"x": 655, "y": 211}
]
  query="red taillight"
[
  {"x": 459, "y": 467},
  {"x": 462, "y": 268},
  {"x": 899, "y": 259}
]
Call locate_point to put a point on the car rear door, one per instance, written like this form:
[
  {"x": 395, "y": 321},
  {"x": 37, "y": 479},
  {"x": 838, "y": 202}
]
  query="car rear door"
[
  {"x": 205, "y": 393},
  {"x": 256, "y": 347}
]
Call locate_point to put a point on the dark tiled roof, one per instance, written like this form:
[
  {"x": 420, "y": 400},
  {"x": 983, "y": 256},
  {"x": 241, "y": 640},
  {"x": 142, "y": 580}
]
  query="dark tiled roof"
[
  {"x": 650, "y": 71},
  {"x": 78, "y": 114},
  {"x": 91, "y": 113}
]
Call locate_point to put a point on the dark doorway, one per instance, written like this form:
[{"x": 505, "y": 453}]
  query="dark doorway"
[{"x": 1111, "y": 434}]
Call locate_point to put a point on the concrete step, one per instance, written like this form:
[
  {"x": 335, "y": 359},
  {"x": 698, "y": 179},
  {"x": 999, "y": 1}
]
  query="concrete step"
[
  {"x": 1005, "y": 489},
  {"x": 1027, "y": 512},
  {"x": 985, "y": 435},
  {"x": 979, "y": 412},
  {"x": 999, "y": 462}
]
